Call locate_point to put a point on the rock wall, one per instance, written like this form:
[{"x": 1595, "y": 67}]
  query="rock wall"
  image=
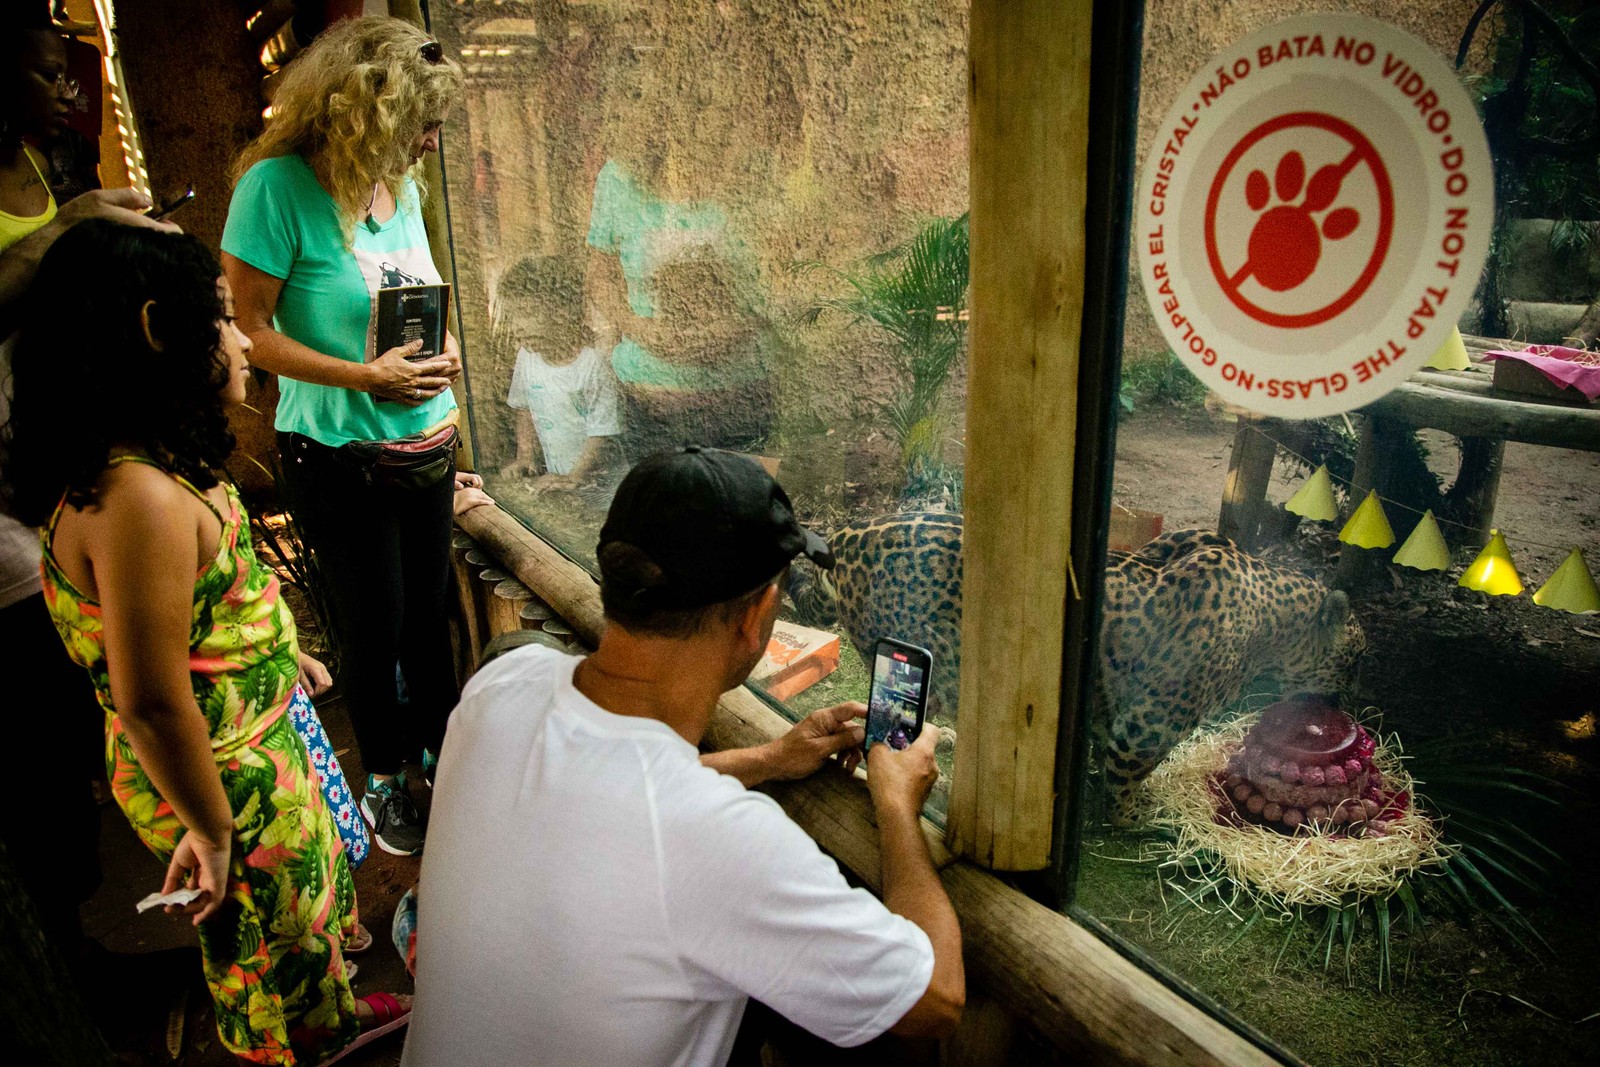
[
  {"x": 763, "y": 134},
  {"x": 195, "y": 83}
]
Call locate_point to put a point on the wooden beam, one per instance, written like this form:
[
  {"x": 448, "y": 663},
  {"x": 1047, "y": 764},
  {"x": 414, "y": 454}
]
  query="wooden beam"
[
  {"x": 1053, "y": 973},
  {"x": 565, "y": 586},
  {"x": 1469, "y": 414},
  {"x": 1029, "y": 121},
  {"x": 1078, "y": 992}
]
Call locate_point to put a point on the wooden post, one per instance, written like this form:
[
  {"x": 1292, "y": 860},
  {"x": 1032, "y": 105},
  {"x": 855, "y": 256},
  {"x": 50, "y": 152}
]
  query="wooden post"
[
  {"x": 1478, "y": 484},
  {"x": 1029, "y": 121},
  {"x": 471, "y": 605},
  {"x": 534, "y": 613},
  {"x": 1380, "y": 437},
  {"x": 1244, "y": 495},
  {"x": 505, "y": 606}
]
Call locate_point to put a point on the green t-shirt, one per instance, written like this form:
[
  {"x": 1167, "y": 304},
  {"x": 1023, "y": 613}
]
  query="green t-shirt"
[
  {"x": 646, "y": 231},
  {"x": 281, "y": 221}
]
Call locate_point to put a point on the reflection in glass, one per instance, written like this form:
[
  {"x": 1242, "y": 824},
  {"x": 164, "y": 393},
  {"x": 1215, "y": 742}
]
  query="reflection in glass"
[{"x": 709, "y": 224}]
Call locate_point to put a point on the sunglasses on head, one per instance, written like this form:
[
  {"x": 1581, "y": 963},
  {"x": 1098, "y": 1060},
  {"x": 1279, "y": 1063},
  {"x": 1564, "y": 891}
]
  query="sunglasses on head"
[{"x": 433, "y": 52}]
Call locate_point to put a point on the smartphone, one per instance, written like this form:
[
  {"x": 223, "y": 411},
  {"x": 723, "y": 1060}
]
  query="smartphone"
[
  {"x": 172, "y": 205},
  {"x": 901, "y": 674}
]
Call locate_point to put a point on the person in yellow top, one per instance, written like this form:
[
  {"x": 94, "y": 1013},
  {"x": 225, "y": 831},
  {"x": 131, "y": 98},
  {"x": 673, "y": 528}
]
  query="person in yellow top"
[
  {"x": 35, "y": 98},
  {"x": 34, "y": 106}
]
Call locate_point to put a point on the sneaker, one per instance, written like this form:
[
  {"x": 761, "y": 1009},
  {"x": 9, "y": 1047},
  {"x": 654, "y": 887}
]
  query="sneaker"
[
  {"x": 430, "y": 766},
  {"x": 396, "y": 826}
]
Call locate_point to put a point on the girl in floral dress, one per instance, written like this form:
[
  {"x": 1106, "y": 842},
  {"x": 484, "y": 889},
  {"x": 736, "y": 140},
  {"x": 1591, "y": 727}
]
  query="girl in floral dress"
[{"x": 122, "y": 375}]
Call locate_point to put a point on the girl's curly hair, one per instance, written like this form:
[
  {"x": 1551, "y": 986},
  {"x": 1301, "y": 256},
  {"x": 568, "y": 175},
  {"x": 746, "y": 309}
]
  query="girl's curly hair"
[
  {"x": 86, "y": 380},
  {"x": 353, "y": 103}
]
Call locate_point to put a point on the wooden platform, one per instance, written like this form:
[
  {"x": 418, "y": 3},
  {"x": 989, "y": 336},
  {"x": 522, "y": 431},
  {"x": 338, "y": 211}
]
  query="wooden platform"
[{"x": 1465, "y": 403}]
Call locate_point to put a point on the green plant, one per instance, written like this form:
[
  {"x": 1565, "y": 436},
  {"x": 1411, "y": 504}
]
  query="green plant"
[
  {"x": 293, "y": 559},
  {"x": 1160, "y": 381},
  {"x": 1555, "y": 109},
  {"x": 916, "y": 296},
  {"x": 1493, "y": 813}
]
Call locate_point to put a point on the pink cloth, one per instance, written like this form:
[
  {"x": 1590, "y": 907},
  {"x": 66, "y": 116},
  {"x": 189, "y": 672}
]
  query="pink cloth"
[{"x": 1564, "y": 366}]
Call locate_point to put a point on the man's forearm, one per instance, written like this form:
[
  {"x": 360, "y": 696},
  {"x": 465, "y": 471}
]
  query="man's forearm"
[
  {"x": 912, "y": 890},
  {"x": 751, "y": 766}
]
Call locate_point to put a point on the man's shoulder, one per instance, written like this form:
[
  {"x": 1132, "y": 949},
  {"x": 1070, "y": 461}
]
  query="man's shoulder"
[{"x": 511, "y": 677}]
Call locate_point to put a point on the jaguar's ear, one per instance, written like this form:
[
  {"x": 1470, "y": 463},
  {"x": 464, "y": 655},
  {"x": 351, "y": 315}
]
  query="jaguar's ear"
[{"x": 1335, "y": 611}]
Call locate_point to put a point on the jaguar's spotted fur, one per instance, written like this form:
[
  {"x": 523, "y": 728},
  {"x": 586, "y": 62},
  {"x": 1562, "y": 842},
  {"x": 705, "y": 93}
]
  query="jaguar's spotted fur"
[{"x": 1189, "y": 621}]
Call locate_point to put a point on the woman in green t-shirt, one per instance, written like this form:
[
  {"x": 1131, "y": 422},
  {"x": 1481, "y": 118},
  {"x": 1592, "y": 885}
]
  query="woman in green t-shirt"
[{"x": 326, "y": 211}]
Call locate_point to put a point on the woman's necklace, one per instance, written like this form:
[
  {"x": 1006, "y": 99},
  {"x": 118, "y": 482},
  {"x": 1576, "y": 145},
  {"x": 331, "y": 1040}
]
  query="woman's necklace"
[{"x": 373, "y": 224}]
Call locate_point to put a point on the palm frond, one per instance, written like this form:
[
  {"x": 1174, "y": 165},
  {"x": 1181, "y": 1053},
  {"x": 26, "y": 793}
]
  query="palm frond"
[{"x": 915, "y": 295}]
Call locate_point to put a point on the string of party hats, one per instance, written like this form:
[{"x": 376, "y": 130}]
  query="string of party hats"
[{"x": 1570, "y": 588}]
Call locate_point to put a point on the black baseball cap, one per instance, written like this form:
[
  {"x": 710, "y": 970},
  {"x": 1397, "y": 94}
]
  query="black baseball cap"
[{"x": 715, "y": 523}]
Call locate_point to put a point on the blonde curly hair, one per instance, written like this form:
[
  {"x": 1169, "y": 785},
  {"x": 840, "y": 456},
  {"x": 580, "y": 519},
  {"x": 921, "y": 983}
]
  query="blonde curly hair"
[{"x": 352, "y": 104}]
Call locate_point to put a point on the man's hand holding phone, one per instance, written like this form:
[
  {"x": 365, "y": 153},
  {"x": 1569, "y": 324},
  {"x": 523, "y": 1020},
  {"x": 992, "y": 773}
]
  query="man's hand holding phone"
[
  {"x": 823, "y": 733},
  {"x": 901, "y": 779}
]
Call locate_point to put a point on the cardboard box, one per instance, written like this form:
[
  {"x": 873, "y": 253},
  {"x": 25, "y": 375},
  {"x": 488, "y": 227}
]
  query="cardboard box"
[
  {"x": 768, "y": 463},
  {"x": 797, "y": 658},
  {"x": 1515, "y": 376},
  {"x": 1132, "y": 529}
]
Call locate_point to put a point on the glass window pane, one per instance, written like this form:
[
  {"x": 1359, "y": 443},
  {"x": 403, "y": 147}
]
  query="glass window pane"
[
  {"x": 706, "y": 224},
  {"x": 1361, "y": 795}
]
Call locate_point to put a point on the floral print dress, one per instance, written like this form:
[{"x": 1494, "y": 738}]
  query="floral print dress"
[{"x": 273, "y": 956}]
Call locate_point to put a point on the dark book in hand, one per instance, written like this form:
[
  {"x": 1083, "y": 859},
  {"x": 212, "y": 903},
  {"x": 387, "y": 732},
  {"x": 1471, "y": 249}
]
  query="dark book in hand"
[{"x": 409, "y": 312}]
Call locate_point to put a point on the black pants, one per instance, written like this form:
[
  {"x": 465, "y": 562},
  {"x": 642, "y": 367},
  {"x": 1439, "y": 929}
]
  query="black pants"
[{"x": 384, "y": 557}]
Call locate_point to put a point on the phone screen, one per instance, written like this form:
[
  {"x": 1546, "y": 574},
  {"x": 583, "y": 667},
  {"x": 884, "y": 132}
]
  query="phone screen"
[{"x": 899, "y": 698}]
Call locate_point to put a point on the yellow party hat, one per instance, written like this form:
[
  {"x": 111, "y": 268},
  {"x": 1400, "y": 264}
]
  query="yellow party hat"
[
  {"x": 1369, "y": 526},
  {"x": 1425, "y": 549},
  {"x": 1314, "y": 500},
  {"x": 1493, "y": 572},
  {"x": 1570, "y": 588},
  {"x": 1452, "y": 355}
]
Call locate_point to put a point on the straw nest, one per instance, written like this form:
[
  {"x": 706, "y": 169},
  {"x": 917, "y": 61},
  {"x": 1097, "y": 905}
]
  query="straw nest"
[{"x": 1308, "y": 868}]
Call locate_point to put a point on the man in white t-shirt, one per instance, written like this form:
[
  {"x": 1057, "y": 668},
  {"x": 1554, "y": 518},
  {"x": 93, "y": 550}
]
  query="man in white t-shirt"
[{"x": 596, "y": 891}]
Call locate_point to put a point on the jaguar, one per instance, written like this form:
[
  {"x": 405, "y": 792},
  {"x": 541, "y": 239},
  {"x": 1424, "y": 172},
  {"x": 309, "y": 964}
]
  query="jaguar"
[{"x": 1189, "y": 621}]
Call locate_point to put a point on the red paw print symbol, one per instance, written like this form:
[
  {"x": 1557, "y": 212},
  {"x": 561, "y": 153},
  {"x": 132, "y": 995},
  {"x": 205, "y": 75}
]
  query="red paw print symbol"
[
  {"x": 1292, "y": 221},
  {"x": 1285, "y": 244}
]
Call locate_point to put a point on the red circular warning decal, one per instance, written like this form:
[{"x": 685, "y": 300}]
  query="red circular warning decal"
[
  {"x": 1297, "y": 214},
  {"x": 1314, "y": 215}
]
